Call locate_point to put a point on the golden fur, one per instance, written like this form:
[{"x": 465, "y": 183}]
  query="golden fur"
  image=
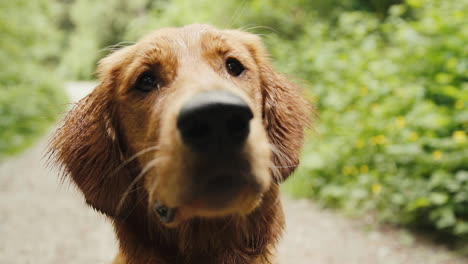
[{"x": 122, "y": 149}]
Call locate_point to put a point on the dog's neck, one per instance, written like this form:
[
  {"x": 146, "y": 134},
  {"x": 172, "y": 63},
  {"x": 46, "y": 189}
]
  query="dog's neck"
[{"x": 230, "y": 240}]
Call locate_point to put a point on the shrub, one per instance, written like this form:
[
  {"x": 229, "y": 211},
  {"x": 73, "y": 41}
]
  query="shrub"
[
  {"x": 91, "y": 26},
  {"x": 390, "y": 86},
  {"x": 30, "y": 93},
  {"x": 92, "y": 29},
  {"x": 392, "y": 98}
]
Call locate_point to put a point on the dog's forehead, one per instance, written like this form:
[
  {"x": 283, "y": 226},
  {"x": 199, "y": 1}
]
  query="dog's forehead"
[{"x": 191, "y": 38}]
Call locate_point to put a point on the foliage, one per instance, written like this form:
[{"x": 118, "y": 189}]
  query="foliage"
[
  {"x": 92, "y": 26},
  {"x": 392, "y": 98},
  {"x": 29, "y": 91},
  {"x": 96, "y": 27},
  {"x": 389, "y": 78},
  {"x": 124, "y": 22}
]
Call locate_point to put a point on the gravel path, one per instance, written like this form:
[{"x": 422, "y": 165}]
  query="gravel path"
[{"x": 44, "y": 221}]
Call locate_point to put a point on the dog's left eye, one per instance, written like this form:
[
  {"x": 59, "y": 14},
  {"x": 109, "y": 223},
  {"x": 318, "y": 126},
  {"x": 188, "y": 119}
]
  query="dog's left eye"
[
  {"x": 146, "y": 82},
  {"x": 234, "y": 67}
]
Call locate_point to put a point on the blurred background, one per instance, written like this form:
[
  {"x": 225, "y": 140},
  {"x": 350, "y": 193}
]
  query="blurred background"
[{"x": 389, "y": 79}]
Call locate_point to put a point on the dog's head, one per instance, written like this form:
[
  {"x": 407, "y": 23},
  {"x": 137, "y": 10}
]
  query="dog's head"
[{"x": 194, "y": 119}]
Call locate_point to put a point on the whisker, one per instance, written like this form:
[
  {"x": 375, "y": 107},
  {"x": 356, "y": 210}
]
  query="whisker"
[
  {"x": 275, "y": 171},
  {"x": 143, "y": 55},
  {"x": 117, "y": 46},
  {"x": 283, "y": 160},
  {"x": 281, "y": 155},
  {"x": 136, "y": 203},
  {"x": 133, "y": 157},
  {"x": 281, "y": 167},
  {"x": 237, "y": 14},
  {"x": 241, "y": 28},
  {"x": 264, "y": 35},
  {"x": 129, "y": 190},
  {"x": 262, "y": 27}
]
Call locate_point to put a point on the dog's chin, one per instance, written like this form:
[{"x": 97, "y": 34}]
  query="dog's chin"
[
  {"x": 241, "y": 206},
  {"x": 224, "y": 196}
]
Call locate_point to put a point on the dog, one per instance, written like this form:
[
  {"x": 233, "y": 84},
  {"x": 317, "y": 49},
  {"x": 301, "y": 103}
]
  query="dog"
[{"x": 183, "y": 144}]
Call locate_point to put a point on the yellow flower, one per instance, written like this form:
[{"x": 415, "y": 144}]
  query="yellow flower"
[
  {"x": 451, "y": 63},
  {"x": 415, "y": 3},
  {"x": 459, "y": 14},
  {"x": 379, "y": 140},
  {"x": 363, "y": 91},
  {"x": 349, "y": 170},
  {"x": 401, "y": 121},
  {"x": 345, "y": 170},
  {"x": 376, "y": 188},
  {"x": 414, "y": 136},
  {"x": 437, "y": 155},
  {"x": 459, "y": 136},
  {"x": 443, "y": 78},
  {"x": 459, "y": 104},
  {"x": 364, "y": 169},
  {"x": 360, "y": 143}
]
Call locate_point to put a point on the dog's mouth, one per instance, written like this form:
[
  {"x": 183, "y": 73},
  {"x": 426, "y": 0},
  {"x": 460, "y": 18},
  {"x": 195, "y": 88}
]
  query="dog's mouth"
[
  {"x": 217, "y": 162},
  {"x": 214, "y": 195},
  {"x": 220, "y": 188}
]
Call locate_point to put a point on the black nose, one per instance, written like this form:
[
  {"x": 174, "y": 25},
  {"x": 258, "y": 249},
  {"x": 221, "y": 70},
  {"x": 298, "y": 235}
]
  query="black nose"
[{"x": 216, "y": 122}]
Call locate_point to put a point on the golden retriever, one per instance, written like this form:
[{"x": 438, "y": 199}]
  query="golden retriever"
[{"x": 183, "y": 144}]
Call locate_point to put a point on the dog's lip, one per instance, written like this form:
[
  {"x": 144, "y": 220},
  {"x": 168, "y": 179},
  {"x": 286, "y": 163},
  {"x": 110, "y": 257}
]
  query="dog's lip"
[{"x": 221, "y": 189}]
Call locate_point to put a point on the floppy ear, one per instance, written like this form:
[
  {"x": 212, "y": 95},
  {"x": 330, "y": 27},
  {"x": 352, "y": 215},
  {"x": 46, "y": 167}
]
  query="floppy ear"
[
  {"x": 286, "y": 113},
  {"x": 87, "y": 146}
]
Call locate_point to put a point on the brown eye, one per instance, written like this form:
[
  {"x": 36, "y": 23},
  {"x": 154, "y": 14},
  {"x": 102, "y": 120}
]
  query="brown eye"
[
  {"x": 234, "y": 67},
  {"x": 146, "y": 82}
]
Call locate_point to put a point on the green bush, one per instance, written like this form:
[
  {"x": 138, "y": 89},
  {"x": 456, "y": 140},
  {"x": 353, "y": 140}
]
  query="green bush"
[
  {"x": 393, "y": 99},
  {"x": 389, "y": 81},
  {"x": 30, "y": 93},
  {"x": 94, "y": 28}
]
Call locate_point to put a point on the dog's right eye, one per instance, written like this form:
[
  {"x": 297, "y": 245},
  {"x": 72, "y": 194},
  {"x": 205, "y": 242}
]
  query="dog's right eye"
[{"x": 147, "y": 82}]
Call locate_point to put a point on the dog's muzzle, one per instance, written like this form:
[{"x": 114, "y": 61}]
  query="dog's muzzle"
[{"x": 214, "y": 126}]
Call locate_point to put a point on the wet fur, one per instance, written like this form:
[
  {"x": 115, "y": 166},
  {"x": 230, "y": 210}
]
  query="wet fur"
[{"x": 90, "y": 149}]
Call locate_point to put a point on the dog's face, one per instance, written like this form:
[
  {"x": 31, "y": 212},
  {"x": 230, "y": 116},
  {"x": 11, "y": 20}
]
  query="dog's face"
[
  {"x": 194, "y": 95},
  {"x": 210, "y": 125}
]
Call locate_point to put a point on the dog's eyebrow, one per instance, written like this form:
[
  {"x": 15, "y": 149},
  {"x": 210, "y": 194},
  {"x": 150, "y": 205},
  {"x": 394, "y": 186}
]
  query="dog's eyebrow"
[
  {"x": 152, "y": 54},
  {"x": 156, "y": 51},
  {"x": 214, "y": 43}
]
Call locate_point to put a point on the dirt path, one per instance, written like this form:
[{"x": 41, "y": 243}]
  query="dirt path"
[{"x": 43, "y": 221}]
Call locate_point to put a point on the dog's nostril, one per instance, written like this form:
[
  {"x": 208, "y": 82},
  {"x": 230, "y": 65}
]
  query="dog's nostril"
[
  {"x": 237, "y": 126},
  {"x": 216, "y": 121},
  {"x": 197, "y": 130}
]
